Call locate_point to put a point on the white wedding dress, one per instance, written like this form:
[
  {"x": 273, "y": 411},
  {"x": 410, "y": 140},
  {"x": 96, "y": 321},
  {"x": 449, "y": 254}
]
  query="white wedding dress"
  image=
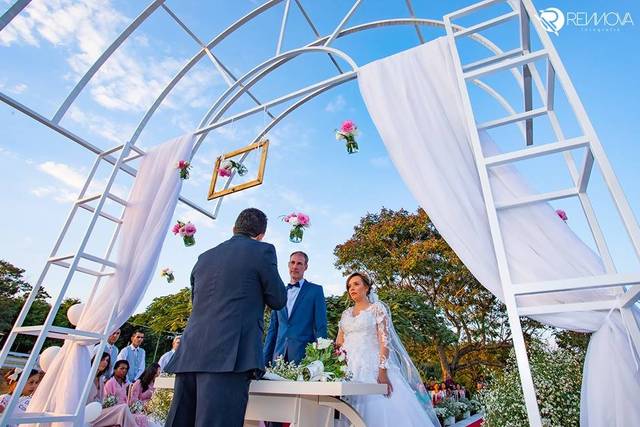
[{"x": 365, "y": 335}]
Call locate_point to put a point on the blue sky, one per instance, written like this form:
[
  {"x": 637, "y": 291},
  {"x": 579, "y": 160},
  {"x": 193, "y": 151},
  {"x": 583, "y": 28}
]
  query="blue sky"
[{"x": 46, "y": 50}]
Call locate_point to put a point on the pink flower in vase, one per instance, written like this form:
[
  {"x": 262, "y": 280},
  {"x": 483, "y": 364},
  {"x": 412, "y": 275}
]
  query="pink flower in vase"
[
  {"x": 176, "y": 228},
  {"x": 562, "y": 214},
  {"x": 348, "y": 126},
  {"x": 183, "y": 164},
  {"x": 189, "y": 229},
  {"x": 303, "y": 219}
]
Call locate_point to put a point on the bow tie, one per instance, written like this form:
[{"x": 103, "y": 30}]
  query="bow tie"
[{"x": 293, "y": 285}]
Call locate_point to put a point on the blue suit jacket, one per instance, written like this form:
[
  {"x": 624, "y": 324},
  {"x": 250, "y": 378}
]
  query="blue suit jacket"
[{"x": 288, "y": 335}]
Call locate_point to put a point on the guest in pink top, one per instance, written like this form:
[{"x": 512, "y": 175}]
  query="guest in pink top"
[
  {"x": 118, "y": 415},
  {"x": 117, "y": 385},
  {"x": 143, "y": 388},
  {"x": 142, "y": 391}
]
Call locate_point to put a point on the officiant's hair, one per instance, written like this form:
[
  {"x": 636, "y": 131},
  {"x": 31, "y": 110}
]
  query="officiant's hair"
[
  {"x": 305, "y": 256},
  {"x": 251, "y": 222},
  {"x": 367, "y": 282}
]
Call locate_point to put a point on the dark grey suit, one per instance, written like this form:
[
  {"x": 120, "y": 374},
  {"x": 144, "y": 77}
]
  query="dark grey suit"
[{"x": 221, "y": 348}]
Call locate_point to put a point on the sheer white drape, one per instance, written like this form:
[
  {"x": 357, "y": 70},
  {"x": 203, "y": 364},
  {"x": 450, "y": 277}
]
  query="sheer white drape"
[
  {"x": 145, "y": 225},
  {"x": 415, "y": 103}
]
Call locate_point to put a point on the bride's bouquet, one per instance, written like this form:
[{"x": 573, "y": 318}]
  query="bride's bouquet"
[{"x": 323, "y": 362}]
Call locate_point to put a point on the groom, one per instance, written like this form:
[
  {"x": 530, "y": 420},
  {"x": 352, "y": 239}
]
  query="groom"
[
  {"x": 221, "y": 348},
  {"x": 303, "y": 320}
]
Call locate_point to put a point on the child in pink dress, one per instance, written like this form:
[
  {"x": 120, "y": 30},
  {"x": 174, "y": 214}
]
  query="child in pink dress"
[
  {"x": 142, "y": 391},
  {"x": 25, "y": 398}
]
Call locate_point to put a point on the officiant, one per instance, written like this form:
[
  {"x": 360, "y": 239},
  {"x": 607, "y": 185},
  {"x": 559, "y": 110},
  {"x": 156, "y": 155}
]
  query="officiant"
[{"x": 302, "y": 320}]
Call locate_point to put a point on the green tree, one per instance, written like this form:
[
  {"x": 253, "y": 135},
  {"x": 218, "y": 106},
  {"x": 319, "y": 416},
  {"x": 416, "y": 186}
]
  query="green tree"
[
  {"x": 168, "y": 313},
  {"x": 14, "y": 290},
  {"x": 404, "y": 250}
]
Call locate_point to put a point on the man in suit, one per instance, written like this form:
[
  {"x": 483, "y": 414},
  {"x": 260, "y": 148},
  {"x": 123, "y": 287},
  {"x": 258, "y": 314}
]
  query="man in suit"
[
  {"x": 221, "y": 347},
  {"x": 303, "y": 320}
]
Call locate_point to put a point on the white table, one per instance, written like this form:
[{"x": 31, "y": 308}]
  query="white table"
[{"x": 306, "y": 404}]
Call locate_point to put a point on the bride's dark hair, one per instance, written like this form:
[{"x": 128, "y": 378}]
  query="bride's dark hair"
[{"x": 367, "y": 282}]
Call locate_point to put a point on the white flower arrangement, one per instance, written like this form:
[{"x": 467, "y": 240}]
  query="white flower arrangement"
[
  {"x": 109, "y": 401},
  {"x": 557, "y": 376}
]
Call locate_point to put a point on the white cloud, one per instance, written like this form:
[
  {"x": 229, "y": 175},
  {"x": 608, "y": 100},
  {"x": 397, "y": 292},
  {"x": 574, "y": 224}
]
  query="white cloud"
[
  {"x": 111, "y": 131},
  {"x": 63, "y": 173},
  {"x": 129, "y": 80},
  {"x": 61, "y": 195},
  {"x": 336, "y": 105},
  {"x": 19, "y": 88}
]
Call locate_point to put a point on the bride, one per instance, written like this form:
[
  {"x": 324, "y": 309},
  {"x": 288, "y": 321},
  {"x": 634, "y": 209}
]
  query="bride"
[{"x": 375, "y": 354}]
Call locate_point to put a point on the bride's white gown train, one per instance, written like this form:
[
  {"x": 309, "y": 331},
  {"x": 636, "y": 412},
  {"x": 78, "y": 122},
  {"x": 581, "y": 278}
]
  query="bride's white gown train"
[{"x": 365, "y": 341}]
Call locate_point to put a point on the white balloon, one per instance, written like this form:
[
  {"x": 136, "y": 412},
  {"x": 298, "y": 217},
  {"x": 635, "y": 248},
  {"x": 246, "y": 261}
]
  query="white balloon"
[
  {"x": 92, "y": 411},
  {"x": 74, "y": 312},
  {"x": 47, "y": 357}
]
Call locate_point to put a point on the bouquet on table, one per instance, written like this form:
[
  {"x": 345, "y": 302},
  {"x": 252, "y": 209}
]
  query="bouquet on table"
[
  {"x": 322, "y": 362},
  {"x": 187, "y": 231},
  {"x": 298, "y": 222},
  {"x": 228, "y": 166},
  {"x": 348, "y": 132}
]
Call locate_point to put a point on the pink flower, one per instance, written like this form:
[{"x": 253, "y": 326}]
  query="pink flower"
[
  {"x": 176, "y": 228},
  {"x": 562, "y": 214},
  {"x": 288, "y": 217},
  {"x": 189, "y": 229},
  {"x": 303, "y": 219},
  {"x": 182, "y": 164},
  {"x": 348, "y": 126},
  {"x": 224, "y": 172}
]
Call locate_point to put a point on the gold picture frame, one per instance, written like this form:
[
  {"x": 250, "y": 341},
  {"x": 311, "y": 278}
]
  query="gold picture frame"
[{"x": 260, "y": 145}]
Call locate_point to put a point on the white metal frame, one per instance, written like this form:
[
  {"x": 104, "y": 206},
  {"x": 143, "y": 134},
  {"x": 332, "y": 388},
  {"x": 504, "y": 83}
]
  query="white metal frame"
[
  {"x": 523, "y": 57},
  {"x": 119, "y": 158}
]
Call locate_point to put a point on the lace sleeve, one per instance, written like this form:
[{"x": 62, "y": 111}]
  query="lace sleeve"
[
  {"x": 340, "y": 335},
  {"x": 382, "y": 326}
]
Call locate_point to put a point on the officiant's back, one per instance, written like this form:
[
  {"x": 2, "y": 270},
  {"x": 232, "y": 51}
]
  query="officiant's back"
[{"x": 230, "y": 285}]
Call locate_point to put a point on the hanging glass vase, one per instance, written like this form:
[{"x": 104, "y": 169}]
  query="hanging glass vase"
[{"x": 295, "y": 235}]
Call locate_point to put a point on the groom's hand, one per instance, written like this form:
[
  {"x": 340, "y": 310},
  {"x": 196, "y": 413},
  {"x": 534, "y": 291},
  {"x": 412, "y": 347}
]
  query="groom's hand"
[{"x": 384, "y": 379}]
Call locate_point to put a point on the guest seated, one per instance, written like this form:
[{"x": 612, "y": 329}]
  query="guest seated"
[
  {"x": 461, "y": 391},
  {"x": 142, "y": 391},
  {"x": 117, "y": 415},
  {"x": 118, "y": 386},
  {"x": 25, "y": 398}
]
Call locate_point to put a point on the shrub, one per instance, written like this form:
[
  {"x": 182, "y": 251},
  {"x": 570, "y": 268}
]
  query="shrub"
[{"x": 557, "y": 376}]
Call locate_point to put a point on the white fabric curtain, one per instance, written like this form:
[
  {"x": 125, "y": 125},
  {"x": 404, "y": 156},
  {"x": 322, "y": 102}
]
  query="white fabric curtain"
[
  {"x": 145, "y": 225},
  {"x": 415, "y": 102}
]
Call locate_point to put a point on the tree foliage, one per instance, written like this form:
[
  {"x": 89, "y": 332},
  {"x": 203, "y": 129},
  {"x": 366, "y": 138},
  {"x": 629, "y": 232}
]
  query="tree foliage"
[{"x": 168, "y": 313}]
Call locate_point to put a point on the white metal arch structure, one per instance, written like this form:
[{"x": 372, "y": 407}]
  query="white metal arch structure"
[{"x": 120, "y": 156}]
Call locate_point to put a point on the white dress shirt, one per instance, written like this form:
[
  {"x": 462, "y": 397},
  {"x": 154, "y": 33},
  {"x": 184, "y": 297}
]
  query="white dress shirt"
[
  {"x": 292, "y": 295},
  {"x": 135, "y": 356},
  {"x": 165, "y": 358}
]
